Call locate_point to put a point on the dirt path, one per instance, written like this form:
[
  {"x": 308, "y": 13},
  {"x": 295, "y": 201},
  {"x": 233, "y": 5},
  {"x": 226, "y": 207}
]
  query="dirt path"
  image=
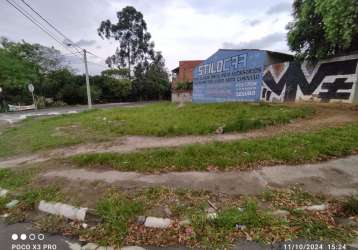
[
  {"x": 325, "y": 117},
  {"x": 336, "y": 178}
]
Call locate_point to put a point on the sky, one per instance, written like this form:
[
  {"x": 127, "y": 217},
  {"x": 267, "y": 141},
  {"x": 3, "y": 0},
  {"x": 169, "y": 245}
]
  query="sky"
[{"x": 180, "y": 29}]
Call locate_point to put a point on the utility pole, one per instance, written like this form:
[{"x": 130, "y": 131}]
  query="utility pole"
[{"x": 89, "y": 99}]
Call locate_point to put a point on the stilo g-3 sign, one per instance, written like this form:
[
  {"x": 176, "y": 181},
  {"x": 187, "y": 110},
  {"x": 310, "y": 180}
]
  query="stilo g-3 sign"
[{"x": 229, "y": 75}]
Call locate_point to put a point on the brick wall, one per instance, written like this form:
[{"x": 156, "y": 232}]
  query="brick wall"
[{"x": 186, "y": 71}]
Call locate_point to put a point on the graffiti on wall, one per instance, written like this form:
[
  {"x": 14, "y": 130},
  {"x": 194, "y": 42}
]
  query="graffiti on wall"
[
  {"x": 229, "y": 75},
  {"x": 332, "y": 80}
]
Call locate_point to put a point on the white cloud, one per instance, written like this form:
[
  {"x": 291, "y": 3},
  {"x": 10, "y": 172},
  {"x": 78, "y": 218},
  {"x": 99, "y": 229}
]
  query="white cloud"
[
  {"x": 181, "y": 29},
  {"x": 279, "y": 8},
  {"x": 265, "y": 42}
]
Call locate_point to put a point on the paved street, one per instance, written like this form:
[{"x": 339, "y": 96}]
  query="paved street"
[{"x": 12, "y": 117}]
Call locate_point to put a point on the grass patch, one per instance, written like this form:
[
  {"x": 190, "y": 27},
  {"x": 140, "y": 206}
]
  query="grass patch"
[
  {"x": 12, "y": 179},
  {"x": 350, "y": 206},
  {"x": 28, "y": 200},
  {"x": 117, "y": 211},
  {"x": 162, "y": 119},
  {"x": 311, "y": 228},
  {"x": 219, "y": 232},
  {"x": 248, "y": 216},
  {"x": 289, "y": 199},
  {"x": 290, "y": 148},
  {"x": 35, "y": 195}
]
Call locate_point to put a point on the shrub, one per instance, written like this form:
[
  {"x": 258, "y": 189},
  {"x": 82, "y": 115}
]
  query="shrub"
[{"x": 184, "y": 86}]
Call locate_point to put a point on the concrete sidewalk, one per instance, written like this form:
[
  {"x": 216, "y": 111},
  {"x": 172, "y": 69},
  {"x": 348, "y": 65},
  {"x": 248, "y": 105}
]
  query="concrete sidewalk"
[{"x": 336, "y": 177}]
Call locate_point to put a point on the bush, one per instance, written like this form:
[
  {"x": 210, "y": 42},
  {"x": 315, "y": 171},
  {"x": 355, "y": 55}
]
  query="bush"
[
  {"x": 184, "y": 86},
  {"x": 350, "y": 207}
]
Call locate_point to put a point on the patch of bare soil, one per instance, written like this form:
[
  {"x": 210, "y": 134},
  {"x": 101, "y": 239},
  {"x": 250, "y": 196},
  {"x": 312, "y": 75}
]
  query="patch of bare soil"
[{"x": 326, "y": 116}]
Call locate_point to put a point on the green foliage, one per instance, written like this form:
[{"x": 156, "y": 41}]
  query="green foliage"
[
  {"x": 248, "y": 216},
  {"x": 350, "y": 206},
  {"x": 115, "y": 73},
  {"x": 151, "y": 80},
  {"x": 136, "y": 53},
  {"x": 131, "y": 33},
  {"x": 115, "y": 89},
  {"x": 34, "y": 195},
  {"x": 184, "y": 86},
  {"x": 312, "y": 228},
  {"x": 116, "y": 212},
  {"x": 340, "y": 18},
  {"x": 12, "y": 179},
  {"x": 22, "y": 63},
  {"x": 15, "y": 73},
  {"x": 323, "y": 28},
  {"x": 161, "y": 119},
  {"x": 214, "y": 233},
  {"x": 290, "y": 148}
]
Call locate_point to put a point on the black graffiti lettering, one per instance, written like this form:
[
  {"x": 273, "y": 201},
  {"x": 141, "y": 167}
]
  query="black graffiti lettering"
[
  {"x": 263, "y": 94},
  {"x": 332, "y": 88},
  {"x": 294, "y": 77}
]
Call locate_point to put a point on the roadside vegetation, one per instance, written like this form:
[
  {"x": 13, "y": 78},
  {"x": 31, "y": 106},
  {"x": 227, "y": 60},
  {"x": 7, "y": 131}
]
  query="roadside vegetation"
[
  {"x": 237, "y": 217},
  {"x": 244, "y": 154},
  {"x": 162, "y": 119}
]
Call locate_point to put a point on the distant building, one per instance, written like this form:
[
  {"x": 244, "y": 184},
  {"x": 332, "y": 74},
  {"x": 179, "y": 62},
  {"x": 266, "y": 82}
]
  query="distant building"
[
  {"x": 182, "y": 80},
  {"x": 233, "y": 75}
]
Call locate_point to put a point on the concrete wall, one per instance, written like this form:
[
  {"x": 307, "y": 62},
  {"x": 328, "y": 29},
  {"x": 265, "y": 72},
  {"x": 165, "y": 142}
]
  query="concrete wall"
[
  {"x": 229, "y": 75},
  {"x": 182, "y": 96},
  {"x": 331, "y": 80}
]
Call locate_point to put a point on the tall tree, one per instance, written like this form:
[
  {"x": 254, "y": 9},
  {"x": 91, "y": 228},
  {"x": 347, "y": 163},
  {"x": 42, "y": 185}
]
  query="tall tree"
[
  {"x": 323, "y": 28},
  {"x": 134, "y": 39},
  {"x": 151, "y": 80}
]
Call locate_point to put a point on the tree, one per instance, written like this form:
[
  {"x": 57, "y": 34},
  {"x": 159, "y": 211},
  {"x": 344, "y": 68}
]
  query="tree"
[
  {"x": 45, "y": 58},
  {"x": 134, "y": 40},
  {"x": 115, "y": 85},
  {"x": 116, "y": 73},
  {"x": 15, "y": 73},
  {"x": 22, "y": 63},
  {"x": 323, "y": 28},
  {"x": 151, "y": 80}
]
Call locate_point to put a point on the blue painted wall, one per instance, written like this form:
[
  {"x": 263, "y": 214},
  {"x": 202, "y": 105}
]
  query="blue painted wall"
[{"x": 229, "y": 75}]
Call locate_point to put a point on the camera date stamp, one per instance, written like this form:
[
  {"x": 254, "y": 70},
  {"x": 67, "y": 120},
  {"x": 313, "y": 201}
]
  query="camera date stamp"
[
  {"x": 313, "y": 246},
  {"x": 30, "y": 241}
]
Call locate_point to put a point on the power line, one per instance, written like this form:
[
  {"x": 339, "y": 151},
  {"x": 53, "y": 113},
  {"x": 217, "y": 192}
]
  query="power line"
[
  {"x": 98, "y": 64},
  {"x": 38, "y": 24},
  {"x": 34, "y": 21},
  {"x": 75, "y": 46},
  {"x": 52, "y": 26}
]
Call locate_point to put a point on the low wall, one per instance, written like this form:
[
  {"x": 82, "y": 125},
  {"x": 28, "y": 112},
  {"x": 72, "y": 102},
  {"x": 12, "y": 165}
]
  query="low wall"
[
  {"x": 332, "y": 80},
  {"x": 182, "y": 96}
]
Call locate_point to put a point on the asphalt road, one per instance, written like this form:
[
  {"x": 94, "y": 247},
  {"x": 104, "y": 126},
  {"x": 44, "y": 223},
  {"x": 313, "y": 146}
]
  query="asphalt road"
[{"x": 12, "y": 117}]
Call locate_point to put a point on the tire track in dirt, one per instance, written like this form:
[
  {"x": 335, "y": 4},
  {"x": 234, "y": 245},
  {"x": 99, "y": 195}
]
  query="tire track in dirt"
[{"x": 324, "y": 117}]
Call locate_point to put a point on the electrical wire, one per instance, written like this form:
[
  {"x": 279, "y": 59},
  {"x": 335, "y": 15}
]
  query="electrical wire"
[
  {"x": 49, "y": 33},
  {"x": 75, "y": 46},
  {"x": 52, "y": 26},
  {"x": 34, "y": 21}
]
